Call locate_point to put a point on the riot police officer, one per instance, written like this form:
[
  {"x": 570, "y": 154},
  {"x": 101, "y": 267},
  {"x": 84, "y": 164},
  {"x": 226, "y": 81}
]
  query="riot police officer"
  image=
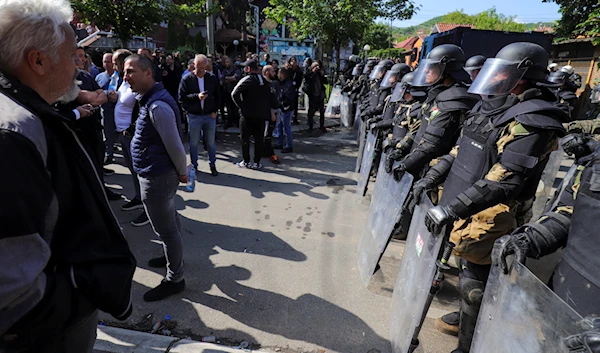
[
  {"x": 566, "y": 99},
  {"x": 474, "y": 65},
  {"x": 376, "y": 97},
  {"x": 442, "y": 112},
  {"x": 364, "y": 79},
  {"x": 497, "y": 165},
  {"x": 395, "y": 74}
]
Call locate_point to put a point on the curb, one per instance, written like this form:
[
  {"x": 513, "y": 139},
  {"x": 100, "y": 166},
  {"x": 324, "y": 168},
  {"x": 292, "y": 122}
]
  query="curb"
[{"x": 118, "y": 340}]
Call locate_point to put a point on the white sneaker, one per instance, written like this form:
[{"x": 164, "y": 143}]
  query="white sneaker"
[
  {"x": 243, "y": 164},
  {"x": 256, "y": 166}
]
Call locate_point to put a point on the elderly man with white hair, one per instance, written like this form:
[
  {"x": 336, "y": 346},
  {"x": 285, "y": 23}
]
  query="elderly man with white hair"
[{"x": 62, "y": 253}]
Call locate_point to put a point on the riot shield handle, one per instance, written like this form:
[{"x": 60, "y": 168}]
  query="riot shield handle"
[{"x": 442, "y": 263}]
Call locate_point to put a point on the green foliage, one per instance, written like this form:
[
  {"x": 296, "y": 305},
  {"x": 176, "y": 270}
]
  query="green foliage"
[
  {"x": 171, "y": 37},
  {"x": 335, "y": 22},
  {"x": 489, "y": 19},
  {"x": 591, "y": 27},
  {"x": 199, "y": 43},
  {"x": 377, "y": 35},
  {"x": 139, "y": 17},
  {"x": 579, "y": 17},
  {"x": 388, "y": 53},
  {"x": 127, "y": 17},
  {"x": 412, "y": 30}
]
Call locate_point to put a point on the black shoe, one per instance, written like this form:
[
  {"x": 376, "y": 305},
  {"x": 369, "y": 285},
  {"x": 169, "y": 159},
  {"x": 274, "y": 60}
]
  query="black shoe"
[
  {"x": 109, "y": 160},
  {"x": 310, "y": 129},
  {"x": 287, "y": 150},
  {"x": 133, "y": 205},
  {"x": 448, "y": 323},
  {"x": 141, "y": 220},
  {"x": 158, "y": 262},
  {"x": 278, "y": 147},
  {"x": 295, "y": 122},
  {"x": 111, "y": 195},
  {"x": 323, "y": 129},
  {"x": 165, "y": 289},
  {"x": 213, "y": 170},
  {"x": 108, "y": 172}
]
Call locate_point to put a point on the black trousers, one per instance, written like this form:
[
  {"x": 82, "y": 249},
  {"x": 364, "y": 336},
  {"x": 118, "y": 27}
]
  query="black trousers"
[
  {"x": 256, "y": 128},
  {"x": 295, "y": 119},
  {"x": 314, "y": 104},
  {"x": 232, "y": 110},
  {"x": 269, "y": 127}
]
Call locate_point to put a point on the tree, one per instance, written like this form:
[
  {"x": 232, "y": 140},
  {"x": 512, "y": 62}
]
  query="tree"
[
  {"x": 335, "y": 22},
  {"x": 377, "y": 35},
  {"x": 488, "y": 19},
  {"x": 579, "y": 17},
  {"x": 139, "y": 17}
]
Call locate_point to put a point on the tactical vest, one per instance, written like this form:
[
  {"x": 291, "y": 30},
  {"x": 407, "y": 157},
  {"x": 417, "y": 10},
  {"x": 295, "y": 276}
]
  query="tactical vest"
[
  {"x": 442, "y": 99},
  {"x": 478, "y": 150},
  {"x": 389, "y": 111},
  {"x": 406, "y": 113},
  {"x": 583, "y": 246}
]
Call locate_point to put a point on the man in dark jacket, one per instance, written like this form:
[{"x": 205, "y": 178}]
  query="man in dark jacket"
[
  {"x": 296, "y": 76},
  {"x": 315, "y": 89},
  {"x": 253, "y": 96},
  {"x": 200, "y": 96},
  {"x": 231, "y": 76},
  {"x": 160, "y": 162},
  {"x": 288, "y": 97},
  {"x": 63, "y": 253}
]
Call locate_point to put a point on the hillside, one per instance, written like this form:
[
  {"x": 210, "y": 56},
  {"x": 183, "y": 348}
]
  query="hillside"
[{"x": 401, "y": 33}]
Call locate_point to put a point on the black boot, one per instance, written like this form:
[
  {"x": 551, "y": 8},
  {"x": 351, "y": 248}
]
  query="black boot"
[{"x": 163, "y": 290}]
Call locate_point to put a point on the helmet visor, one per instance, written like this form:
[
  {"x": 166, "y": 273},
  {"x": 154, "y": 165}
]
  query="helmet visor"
[
  {"x": 398, "y": 93},
  {"x": 428, "y": 73},
  {"x": 367, "y": 69},
  {"x": 377, "y": 73},
  {"x": 356, "y": 71},
  {"x": 389, "y": 80},
  {"x": 556, "y": 79},
  {"x": 497, "y": 77}
]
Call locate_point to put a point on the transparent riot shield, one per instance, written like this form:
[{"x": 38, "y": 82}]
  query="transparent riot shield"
[
  {"x": 521, "y": 314},
  {"x": 544, "y": 191},
  {"x": 345, "y": 118},
  {"x": 386, "y": 206},
  {"x": 362, "y": 135},
  {"x": 414, "y": 281},
  {"x": 366, "y": 164},
  {"x": 357, "y": 123},
  {"x": 335, "y": 100}
]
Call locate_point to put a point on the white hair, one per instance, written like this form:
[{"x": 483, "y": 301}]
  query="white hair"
[
  {"x": 200, "y": 57},
  {"x": 32, "y": 24}
]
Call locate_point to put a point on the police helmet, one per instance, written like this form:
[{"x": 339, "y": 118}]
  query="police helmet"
[{"x": 442, "y": 59}]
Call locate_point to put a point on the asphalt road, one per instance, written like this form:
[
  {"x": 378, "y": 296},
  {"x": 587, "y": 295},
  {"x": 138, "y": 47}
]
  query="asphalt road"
[{"x": 270, "y": 256}]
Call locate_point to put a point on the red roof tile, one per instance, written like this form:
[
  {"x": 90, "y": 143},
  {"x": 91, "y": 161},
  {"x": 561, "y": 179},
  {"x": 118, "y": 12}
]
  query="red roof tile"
[
  {"x": 443, "y": 27},
  {"x": 408, "y": 43}
]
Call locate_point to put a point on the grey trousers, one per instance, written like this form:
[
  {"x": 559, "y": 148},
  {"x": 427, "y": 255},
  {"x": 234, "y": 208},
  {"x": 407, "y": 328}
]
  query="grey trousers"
[
  {"x": 158, "y": 196},
  {"x": 126, "y": 146}
]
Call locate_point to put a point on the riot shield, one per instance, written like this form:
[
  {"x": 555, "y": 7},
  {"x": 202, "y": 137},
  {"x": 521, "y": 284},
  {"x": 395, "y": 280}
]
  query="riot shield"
[
  {"x": 345, "y": 119},
  {"x": 386, "y": 206},
  {"x": 362, "y": 134},
  {"x": 358, "y": 124},
  {"x": 544, "y": 191},
  {"x": 335, "y": 100},
  {"x": 366, "y": 164},
  {"x": 521, "y": 314},
  {"x": 415, "y": 278}
]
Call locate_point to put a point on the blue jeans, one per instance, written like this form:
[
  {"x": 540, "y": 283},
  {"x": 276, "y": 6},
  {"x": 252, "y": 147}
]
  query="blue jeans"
[
  {"x": 202, "y": 125},
  {"x": 285, "y": 127},
  {"x": 158, "y": 196}
]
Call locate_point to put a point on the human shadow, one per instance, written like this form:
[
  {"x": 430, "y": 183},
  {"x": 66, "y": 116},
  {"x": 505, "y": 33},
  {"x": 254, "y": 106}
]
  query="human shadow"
[{"x": 258, "y": 187}]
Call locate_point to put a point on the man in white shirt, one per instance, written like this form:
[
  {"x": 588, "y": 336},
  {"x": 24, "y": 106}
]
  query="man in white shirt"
[{"x": 125, "y": 101}]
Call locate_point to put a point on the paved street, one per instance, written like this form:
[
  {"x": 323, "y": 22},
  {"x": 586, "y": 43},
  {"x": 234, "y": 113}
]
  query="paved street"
[{"x": 270, "y": 256}]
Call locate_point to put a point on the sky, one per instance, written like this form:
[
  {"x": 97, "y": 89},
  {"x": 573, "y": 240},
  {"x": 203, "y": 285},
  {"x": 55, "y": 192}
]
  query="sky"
[{"x": 526, "y": 10}]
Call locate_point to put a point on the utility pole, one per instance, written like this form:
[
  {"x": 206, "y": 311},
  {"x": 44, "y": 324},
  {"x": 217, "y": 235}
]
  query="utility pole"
[{"x": 210, "y": 29}]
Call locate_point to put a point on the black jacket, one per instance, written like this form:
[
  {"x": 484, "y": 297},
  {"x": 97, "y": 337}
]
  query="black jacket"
[
  {"x": 288, "y": 95},
  {"x": 254, "y": 97},
  {"x": 58, "y": 227},
  {"x": 189, "y": 90},
  {"x": 310, "y": 82}
]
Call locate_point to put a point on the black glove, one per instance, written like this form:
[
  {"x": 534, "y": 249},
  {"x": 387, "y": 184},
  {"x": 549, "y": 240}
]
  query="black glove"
[
  {"x": 391, "y": 144},
  {"x": 421, "y": 186},
  {"x": 576, "y": 145},
  {"x": 587, "y": 341},
  {"x": 438, "y": 217},
  {"x": 515, "y": 244},
  {"x": 399, "y": 171},
  {"x": 391, "y": 158}
]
